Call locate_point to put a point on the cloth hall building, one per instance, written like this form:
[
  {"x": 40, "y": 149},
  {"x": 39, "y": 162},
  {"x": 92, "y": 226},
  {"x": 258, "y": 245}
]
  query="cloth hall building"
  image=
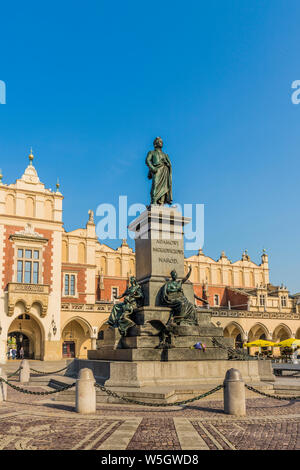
[{"x": 57, "y": 287}]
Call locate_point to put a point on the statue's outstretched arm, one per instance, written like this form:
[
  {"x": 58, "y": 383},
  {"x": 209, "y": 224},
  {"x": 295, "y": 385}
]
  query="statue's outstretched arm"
[
  {"x": 188, "y": 275},
  {"x": 120, "y": 296},
  {"x": 200, "y": 298}
]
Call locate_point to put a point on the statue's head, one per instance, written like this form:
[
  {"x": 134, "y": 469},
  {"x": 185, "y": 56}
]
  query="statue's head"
[
  {"x": 132, "y": 280},
  {"x": 158, "y": 143},
  {"x": 174, "y": 274}
]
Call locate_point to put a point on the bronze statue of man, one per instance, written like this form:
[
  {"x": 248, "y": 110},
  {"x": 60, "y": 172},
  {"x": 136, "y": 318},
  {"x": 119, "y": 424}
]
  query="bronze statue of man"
[{"x": 160, "y": 171}]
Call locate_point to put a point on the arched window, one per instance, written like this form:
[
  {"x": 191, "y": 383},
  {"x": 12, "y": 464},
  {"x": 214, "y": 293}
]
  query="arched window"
[
  {"x": 64, "y": 251},
  {"x": 81, "y": 253},
  {"x": 118, "y": 267},
  {"x": 195, "y": 274},
  {"x": 207, "y": 275},
  {"x": 10, "y": 204},
  {"x": 216, "y": 300},
  {"x": 29, "y": 207},
  {"x": 132, "y": 266},
  {"x": 48, "y": 209},
  {"x": 103, "y": 265}
]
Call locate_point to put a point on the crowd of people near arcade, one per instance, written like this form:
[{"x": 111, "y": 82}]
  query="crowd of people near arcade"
[{"x": 15, "y": 349}]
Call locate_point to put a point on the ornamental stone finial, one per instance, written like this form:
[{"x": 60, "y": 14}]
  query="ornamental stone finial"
[
  {"x": 91, "y": 216},
  {"x": 30, "y": 156},
  {"x": 57, "y": 185}
]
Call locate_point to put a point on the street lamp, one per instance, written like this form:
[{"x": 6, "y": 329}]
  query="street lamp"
[{"x": 54, "y": 328}]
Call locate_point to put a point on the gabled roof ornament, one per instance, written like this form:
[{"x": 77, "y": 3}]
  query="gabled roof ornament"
[{"x": 30, "y": 156}]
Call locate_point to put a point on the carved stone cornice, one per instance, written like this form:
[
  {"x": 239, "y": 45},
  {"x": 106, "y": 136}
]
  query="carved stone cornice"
[
  {"x": 92, "y": 308},
  {"x": 28, "y": 234},
  {"x": 258, "y": 315},
  {"x": 28, "y": 294}
]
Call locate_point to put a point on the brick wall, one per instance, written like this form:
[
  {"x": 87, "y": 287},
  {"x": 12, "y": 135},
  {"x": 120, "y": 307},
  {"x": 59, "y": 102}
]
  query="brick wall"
[
  {"x": 237, "y": 298},
  {"x": 108, "y": 283}
]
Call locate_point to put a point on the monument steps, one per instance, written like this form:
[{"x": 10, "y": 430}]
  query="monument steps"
[{"x": 162, "y": 355}]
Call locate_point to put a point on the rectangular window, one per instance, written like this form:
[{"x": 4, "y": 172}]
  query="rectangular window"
[
  {"x": 27, "y": 273},
  {"x": 35, "y": 278},
  {"x": 262, "y": 300},
  {"x": 20, "y": 271},
  {"x": 27, "y": 269},
  {"x": 72, "y": 285},
  {"x": 114, "y": 292},
  {"x": 283, "y": 301},
  {"x": 69, "y": 285},
  {"x": 66, "y": 284}
]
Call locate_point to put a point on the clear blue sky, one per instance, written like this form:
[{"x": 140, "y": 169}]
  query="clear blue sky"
[{"x": 90, "y": 84}]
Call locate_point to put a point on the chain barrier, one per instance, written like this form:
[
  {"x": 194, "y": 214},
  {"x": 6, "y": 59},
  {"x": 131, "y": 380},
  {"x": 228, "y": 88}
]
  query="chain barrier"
[
  {"x": 15, "y": 373},
  {"x": 234, "y": 354},
  {"x": 138, "y": 402},
  {"x": 30, "y": 392},
  {"x": 276, "y": 397},
  {"x": 48, "y": 373},
  {"x": 176, "y": 403}
]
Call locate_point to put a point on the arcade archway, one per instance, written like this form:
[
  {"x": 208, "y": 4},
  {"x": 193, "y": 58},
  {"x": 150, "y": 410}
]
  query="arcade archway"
[
  {"x": 25, "y": 332},
  {"x": 76, "y": 338},
  {"x": 235, "y": 331},
  {"x": 281, "y": 333}
]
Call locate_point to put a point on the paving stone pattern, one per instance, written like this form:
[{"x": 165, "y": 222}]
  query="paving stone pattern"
[{"x": 33, "y": 422}]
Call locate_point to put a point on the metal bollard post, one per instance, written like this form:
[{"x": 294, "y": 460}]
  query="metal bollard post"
[
  {"x": 234, "y": 393},
  {"x": 3, "y": 386},
  {"x": 24, "y": 376},
  {"x": 85, "y": 392}
]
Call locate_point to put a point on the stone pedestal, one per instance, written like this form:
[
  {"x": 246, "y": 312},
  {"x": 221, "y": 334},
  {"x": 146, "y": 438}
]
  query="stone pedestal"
[
  {"x": 142, "y": 341},
  {"x": 159, "y": 249},
  {"x": 141, "y": 358}
]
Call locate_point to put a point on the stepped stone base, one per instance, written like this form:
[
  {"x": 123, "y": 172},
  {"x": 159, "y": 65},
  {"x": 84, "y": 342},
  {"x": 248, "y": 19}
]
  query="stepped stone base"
[
  {"x": 142, "y": 342},
  {"x": 139, "y": 374},
  {"x": 151, "y": 354}
]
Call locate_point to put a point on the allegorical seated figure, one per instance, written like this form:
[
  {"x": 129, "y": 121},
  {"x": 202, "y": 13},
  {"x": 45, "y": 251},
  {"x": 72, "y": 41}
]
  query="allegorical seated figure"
[
  {"x": 172, "y": 295},
  {"x": 119, "y": 317},
  {"x": 160, "y": 171}
]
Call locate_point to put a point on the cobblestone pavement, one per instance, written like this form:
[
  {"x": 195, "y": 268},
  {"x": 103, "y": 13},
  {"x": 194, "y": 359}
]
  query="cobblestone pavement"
[{"x": 33, "y": 422}]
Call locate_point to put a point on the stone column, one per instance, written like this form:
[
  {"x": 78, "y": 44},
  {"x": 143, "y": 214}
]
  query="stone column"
[
  {"x": 3, "y": 386},
  {"x": 85, "y": 392},
  {"x": 234, "y": 393},
  {"x": 93, "y": 343},
  {"x": 24, "y": 376}
]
